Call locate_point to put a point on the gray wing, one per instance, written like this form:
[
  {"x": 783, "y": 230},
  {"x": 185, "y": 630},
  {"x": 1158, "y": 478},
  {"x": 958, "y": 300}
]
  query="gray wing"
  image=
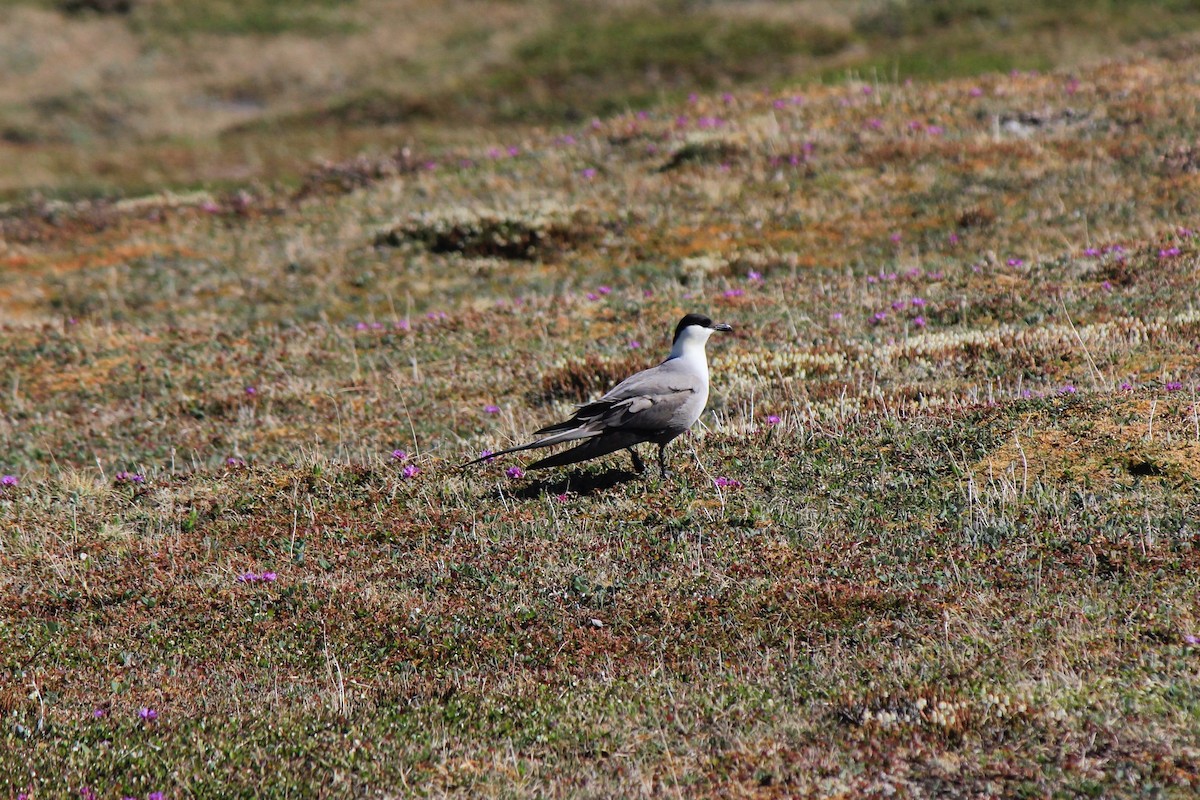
[
  {"x": 645, "y": 402},
  {"x": 639, "y": 408}
]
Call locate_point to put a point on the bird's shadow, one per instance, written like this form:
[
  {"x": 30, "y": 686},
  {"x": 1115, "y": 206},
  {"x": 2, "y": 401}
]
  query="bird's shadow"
[{"x": 578, "y": 482}]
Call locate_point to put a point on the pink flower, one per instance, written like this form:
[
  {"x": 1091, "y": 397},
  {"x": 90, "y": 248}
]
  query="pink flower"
[
  {"x": 1191, "y": 639},
  {"x": 399, "y": 455},
  {"x": 1126, "y": 386},
  {"x": 8, "y": 480},
  {"x": 918, "y": 302},
  {"x": 492, "y": 409},
  {"x": 588, "y": 173},
  {"x": 605, "y": 290},
  {"x": 147, "y": 714},
  {"x": 727, "y": 483},
  {"x": 634, "y": 344},
  {"x": 1173, "y": 386},
  {"x": 1015, "y": 262},
  {"x": 1068, "y": 389},
  {"x": 411, "y": 471},
  {"x": 772, "y": 419},
  {"x": 515, "y": 472},
  {"x": 918, "y": 322}
]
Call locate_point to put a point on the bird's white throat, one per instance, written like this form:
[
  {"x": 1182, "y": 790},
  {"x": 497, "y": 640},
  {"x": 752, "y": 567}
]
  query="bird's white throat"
[{"x": 690, "y": 347}]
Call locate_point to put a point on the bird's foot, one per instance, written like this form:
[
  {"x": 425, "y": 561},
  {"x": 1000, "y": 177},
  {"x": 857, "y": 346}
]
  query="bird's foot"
[{"x": 639, "y": 466}]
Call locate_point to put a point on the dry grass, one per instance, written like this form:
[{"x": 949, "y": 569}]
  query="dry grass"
[{"x": 962, "y": 562}]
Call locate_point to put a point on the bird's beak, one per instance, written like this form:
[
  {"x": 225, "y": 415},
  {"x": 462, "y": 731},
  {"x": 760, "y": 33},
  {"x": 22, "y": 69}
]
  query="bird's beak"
[{"x": 721, "y": 326}]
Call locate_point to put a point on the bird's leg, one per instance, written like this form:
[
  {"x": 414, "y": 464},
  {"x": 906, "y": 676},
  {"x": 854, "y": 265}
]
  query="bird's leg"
[
  {"x": 662, "y": 462},
  {"x": 639, "y": 466}
]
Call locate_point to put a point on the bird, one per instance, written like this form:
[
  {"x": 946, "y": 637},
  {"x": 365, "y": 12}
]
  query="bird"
[{"x": 654, "y": 405}]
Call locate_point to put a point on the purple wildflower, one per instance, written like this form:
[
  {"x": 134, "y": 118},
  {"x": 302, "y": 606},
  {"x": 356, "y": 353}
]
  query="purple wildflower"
[
  {"x": 129, "y": 477},
  {"x": 772, "y": 419},
  {"x": 486, "y": 456},
  {"x": 247, "y": 577},
  {"x": 492, "y": 409},
  {"x": 895, "y": 238},
  {"x": 1173, "y": 386},
  {"x": 605, "y": 290},
  {"x": 9, "y": 480},
  {"x": 975, "y": 92},
  {"x": 1068, "y": 389},
  {"x": 878, "y": 317},
  {"x": 1015, "y": 262},
  {"x": 588, "y": 173},
  {"x": 155, "y": 796},
  {"x": 399, "y": 455},
  {"x": 515, "y": 472},
  {"x": 1168, "y": 252},
  {"x": 727, "y": 483},
  {"x": 1092, "y": 252},
  {"x": 754, "y": 277},
  {"x": 593, "y": 296},
  {"x": 836, "y": 315},
  {"x": 918, "y": 302},
  {"x": 734, "y": 292},
  {"x": 634, "y": 344},
  {"x": 953, "y": 238},
  {"x": 411, "y": 471},
  {"x": 1191, "y": 639},
  {"x": 147, "y": 714},
  {"x": 269, "y": 577},
  {"x": 99, "y": 713},
  {"x": 918, "y": 322},
  {"x": 1126, "y": 386},
  {"x": 250, "y": 390},
  {"x": 562, "y": 498},
  {"x": 234, "y": 461}
]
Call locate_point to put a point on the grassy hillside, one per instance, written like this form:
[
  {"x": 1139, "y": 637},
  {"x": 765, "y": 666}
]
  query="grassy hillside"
[{"x": 936, "y": 536}]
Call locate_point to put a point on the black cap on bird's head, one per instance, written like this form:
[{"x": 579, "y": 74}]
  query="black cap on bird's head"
[{"x": 701, "y": 321}]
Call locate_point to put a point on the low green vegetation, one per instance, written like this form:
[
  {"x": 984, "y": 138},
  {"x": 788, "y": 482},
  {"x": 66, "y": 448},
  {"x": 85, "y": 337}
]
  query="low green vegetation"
[{"x": 935, "y": 536}]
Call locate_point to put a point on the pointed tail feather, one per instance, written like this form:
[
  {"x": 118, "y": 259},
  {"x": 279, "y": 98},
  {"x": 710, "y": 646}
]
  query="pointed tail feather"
[
  {"x": 545, "y": 441},
  {"x": 593, "y": 448}
]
